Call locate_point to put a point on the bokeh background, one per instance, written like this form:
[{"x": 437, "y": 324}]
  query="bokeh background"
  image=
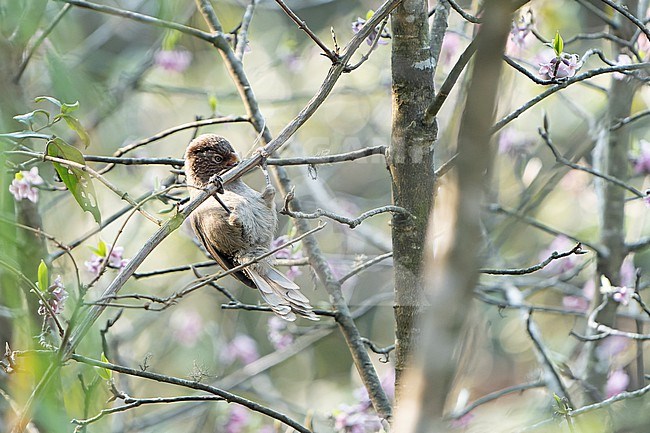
[{"x": 134, "y": 80}]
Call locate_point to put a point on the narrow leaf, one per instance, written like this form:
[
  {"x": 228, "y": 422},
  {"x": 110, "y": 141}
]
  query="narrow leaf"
[
  {"x": 101, "y": 249},
  {"x": 104, "y": 373},
  {"x": 76, "y": 126},
  {"x": 558, "y": 44},
  {"x": 69, "y": 108},
  {"x": 28, "y": 119},
  {"x": 19, "y": 135},
  {"x": 50, "y": 99},
  {"x": 43, "y": 277},
  {"x": 78, "y": 182}
]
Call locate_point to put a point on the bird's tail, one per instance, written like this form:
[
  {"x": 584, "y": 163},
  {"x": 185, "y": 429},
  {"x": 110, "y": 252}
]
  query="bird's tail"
[{"x": 282, "y": 294}]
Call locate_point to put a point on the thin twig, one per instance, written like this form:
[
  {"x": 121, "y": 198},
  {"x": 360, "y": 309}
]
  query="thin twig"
[
  {"x": 541, "y": 226},
  {"x": 83, "y": 167},
  {"x": 366, "y": 56},
  {"x": 523, "y": 271},
  {"x": 135, "y": 16},
  {"x": 303, "y": 26},
  {"x": 553, "y": 377},
  {"x": 467, "y": 16},
  {"x": 227, "y": 396},
  {"x": 385, "y": 351},
  {"x": 450, "y": 82},
  {"x": 189, "y": 125},
  {"x": 599, "y": 13},
  {"x": 242, "y": 34},
  {"x": 496, "y": 395},
  {"x": 630, "y": 16},
  {"x": 562, "y": 160},
  {"x": 131, "y": 403},
  {"x": 364, "y": 266},
  {"x": 44, "y": 34},
  {"x": 557, "y": 87},
  {"x": 350, "y": 222},
  {"x": 622, "y": 122},
  {"x": 590, "y": 408},
  {"x": 170, "y": 300}
]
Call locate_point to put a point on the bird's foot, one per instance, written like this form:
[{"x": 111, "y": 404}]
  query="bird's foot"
[{"x": 216, "y": 179}]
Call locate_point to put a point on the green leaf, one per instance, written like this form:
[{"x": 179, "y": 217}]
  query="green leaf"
[
  {"x": 558, "y": 44},
  {"x": 69, "y": 108},
  {"x": 369, "y": 14},
  {"x": 76, "y": 126},
  {"x": 29, "y": 118},
  {"x": 19, "y": 135},
  {"x": 50, "y": 99},
  {"x": 78, "y": 182},
  {"x": 104, "y": 373},
  {"x": 43, "y": 277},
  {"x": 212, "y": 100},
  {"x": 101, "y": 249}
]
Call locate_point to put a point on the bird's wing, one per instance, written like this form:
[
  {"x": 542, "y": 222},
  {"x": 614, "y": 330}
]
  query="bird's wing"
[{"x": 224, "y": 260}]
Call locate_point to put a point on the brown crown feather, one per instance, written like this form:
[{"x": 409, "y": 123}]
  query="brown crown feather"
[{"x": 207, "y": 155}]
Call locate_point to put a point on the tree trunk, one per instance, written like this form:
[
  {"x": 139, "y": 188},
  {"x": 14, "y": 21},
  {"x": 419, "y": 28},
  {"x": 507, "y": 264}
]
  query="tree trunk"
[
  {"x": 451, "y": 277},
  {"x": 410, "y": 162}
]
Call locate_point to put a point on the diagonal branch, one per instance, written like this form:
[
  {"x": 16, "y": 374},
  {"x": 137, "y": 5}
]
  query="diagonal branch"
[{"x": 227, "y": 396}]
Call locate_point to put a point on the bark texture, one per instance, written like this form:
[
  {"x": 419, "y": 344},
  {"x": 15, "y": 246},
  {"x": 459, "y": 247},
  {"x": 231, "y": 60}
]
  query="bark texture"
[
  {"x": 410, "y": 161},
  {"x": 454, "y": 272}
]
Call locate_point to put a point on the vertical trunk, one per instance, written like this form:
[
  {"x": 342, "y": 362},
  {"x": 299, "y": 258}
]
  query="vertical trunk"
[
  {"x": 411, "y": 165},
  {"x": 451, "y": 277},
  {"x": 611, "y": 157}
]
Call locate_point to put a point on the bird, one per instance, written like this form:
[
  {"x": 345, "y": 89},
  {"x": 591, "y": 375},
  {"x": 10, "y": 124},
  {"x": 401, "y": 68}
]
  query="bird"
[{"x": 237, "y": 225}]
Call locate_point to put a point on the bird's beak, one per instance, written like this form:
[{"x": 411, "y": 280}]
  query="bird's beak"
[{"x": 232, "y": 161}]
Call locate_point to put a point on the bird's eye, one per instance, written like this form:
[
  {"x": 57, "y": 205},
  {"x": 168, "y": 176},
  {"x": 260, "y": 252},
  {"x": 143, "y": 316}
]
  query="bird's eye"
[{"x": 218, "y": 158}]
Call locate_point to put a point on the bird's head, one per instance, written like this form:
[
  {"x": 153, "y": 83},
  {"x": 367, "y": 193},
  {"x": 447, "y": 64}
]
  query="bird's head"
[{"x": 207, "y": 155}]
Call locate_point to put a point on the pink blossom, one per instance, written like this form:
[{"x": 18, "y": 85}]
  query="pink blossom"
[
  {"x": 358, "y": 24},
  {"x": 115, "y": 260},
  {"x": 514, "y": 143},
  {"x": 278, "y": 333},
  {"x": 242, "y": 348},
  {"x": 520, "y": 32},
  {"x": 622, "y": 295},
  {"x": 617, "y": 383},
  {"x": 387, "y": 382},
  {"x": 563, "y": 66},
  {"x": 186, "y": 327},
  {"x": 577, "y": 303},
  {"x": 355, "y": 419},
  {"x": 642, "y": 161},
  {"x": 462, "y": 422},
  {"x": 450, "y": 50},
  {"x": 173, "y": 60},
  {"x": 623, "y": 59},
  {"x": 611, "y": 347},
  {"x": 288, "y": 253},
  {"x": 23, "y": 185},
  {"x": 628, "y": 272},
  {"x": 238, "y": 419},
  {"x": 55, "y": 296},
  {"x": 581, "y": 303}
]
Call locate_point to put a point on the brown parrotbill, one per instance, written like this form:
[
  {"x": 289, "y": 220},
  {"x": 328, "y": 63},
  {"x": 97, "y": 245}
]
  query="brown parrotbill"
[{"x": 242, "y": 232}]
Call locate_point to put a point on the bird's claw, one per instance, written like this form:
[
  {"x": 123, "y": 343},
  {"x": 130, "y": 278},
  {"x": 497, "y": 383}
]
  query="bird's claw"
[{"x": 216, "y": 179}]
